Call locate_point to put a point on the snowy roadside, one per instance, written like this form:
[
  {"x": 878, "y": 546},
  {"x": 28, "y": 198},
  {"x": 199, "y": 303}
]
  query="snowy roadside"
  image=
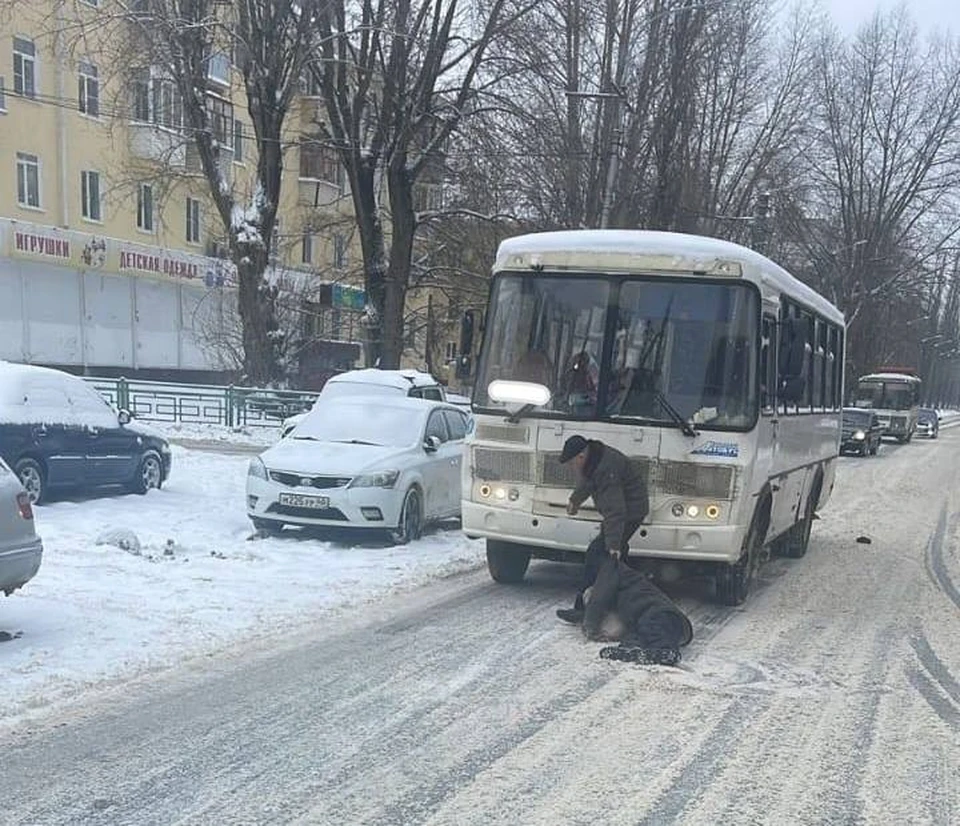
[{"x": 98, "y": 613}]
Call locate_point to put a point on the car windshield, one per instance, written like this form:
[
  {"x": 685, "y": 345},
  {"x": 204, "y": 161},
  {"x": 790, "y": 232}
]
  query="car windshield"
[
  {"x": 365, "y": 422},
  {"x": 686, "y": 344},
  {"x": 857, "y": 418},
  {"x": 927, "y": 415}
]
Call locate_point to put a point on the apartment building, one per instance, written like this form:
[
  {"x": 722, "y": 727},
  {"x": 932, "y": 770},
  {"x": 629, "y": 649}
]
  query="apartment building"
[{"x": 112, "y": 254}]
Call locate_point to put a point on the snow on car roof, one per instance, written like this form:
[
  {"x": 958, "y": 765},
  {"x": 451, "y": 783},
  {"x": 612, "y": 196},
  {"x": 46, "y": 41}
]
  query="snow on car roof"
[
  {"x": 401, "y": 379},
  {"x": 671, "y": 250},
  {"x": 30, "y": 394}
]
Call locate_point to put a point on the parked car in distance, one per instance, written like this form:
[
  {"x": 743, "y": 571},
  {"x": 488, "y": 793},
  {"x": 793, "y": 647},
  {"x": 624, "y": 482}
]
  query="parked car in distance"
[
  {"x": 860, "y": 431},
  {"x": 373, "y": 382},
  {"x": 59, "y": 434},
  {"x": 20, "y": 547},
  {"x": 385, "y": 462},
  {"x": 928, "y": 422}
]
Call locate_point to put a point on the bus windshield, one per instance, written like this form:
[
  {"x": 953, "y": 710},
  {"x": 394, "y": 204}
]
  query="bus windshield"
[
  {"x": 614, "y": 348},
  {"x": 886, "y": 395}
]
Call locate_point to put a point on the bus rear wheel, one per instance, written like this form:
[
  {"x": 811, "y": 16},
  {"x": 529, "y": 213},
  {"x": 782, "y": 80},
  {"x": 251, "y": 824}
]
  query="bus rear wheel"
[{"x": 506, "y": 561}]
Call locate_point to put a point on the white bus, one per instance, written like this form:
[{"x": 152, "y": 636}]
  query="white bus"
[
  {"x": 895, "y": 397},
  {"x": 712, "y": 367}
]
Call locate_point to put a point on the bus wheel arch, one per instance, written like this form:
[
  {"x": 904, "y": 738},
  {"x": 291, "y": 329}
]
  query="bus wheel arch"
[
  {"x": 507, "y": 561},
  {"x": 797, "y": 539}
]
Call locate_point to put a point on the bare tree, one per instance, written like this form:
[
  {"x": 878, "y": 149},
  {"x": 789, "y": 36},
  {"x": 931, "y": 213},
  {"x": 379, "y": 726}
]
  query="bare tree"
[
  {"x": 884, "y": 173},
  {"x": 398, "y": 77},
  {"x": 166, "y": 50}
]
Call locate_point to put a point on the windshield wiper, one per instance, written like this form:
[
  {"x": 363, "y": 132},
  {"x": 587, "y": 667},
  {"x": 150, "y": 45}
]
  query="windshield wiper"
[
  {"x": 356, "y": 442},
  {"x": 686, "y": 428}
]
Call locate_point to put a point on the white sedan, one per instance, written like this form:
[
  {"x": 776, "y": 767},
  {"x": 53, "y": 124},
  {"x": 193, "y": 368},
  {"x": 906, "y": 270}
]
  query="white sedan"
[{"x": 365, "y": 462}]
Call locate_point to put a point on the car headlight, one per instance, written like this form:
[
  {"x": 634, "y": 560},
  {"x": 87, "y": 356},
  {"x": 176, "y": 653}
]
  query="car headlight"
[
  {"x": 257, "y": 469},
  {"x": 859, "y": 435},
  {"x": 381, "y": 479}
]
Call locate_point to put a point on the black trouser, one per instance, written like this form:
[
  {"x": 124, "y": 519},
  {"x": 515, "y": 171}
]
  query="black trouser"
[{"x": 597, "y": 552}]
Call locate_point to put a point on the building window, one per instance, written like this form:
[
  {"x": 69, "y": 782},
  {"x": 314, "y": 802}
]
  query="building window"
[
  {"x": 339, "y": 252},
  {"x": 193, "y": 221},
  {"x": 307, "y": 248},
  {"x": 145, "y": 207},
  {"x": 90, "y": 195},
  {"x": 319, "y": 162},
  {"x": 451, "y": 351},
  {"x": 220, "y": 114},
  {"x": 89, "y": 90},
  {"x": 156, "y": 100},
  {"x": 24, "y": 67},
  {"x": 28, "y": 180},
  {"x": 238, "y": 141}
]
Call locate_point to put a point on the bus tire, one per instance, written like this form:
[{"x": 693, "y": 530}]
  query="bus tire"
[
  {"x": 506, "y": 561},
  {"x": 733, "y": 581},
  {"x": 798, "y": 538}
]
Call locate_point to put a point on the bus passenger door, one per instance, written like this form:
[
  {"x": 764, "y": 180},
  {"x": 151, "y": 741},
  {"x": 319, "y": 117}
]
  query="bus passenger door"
[{"x": 769, "y": 425}]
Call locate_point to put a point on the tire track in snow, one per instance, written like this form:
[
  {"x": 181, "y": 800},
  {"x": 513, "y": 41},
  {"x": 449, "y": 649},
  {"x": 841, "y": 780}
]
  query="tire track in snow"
[{"x": 936, "y": 564}]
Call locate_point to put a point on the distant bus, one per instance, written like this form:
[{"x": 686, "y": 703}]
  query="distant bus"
[
  {"x": 895, "y": 396},
  {"x": 714, "y": 369}
]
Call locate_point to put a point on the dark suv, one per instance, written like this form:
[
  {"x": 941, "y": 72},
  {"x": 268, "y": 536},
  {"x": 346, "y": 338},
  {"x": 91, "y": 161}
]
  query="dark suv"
[
  {"x": 57, "y": 432},
  {"x": 860, "y": 431}
]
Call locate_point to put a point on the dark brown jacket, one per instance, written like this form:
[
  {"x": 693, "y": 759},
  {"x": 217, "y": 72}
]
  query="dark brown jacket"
[{"x": 618, "y": 488}]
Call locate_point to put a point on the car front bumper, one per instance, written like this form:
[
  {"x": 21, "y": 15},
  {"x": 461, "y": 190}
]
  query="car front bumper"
[
  {"x": 346, "y": 507},
  {"x": 19, "y": 565},
  {"x": 852, "y": 445}
]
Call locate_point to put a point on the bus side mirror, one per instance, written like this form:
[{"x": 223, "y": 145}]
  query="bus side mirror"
[
  {"x": 467, "y": 326},
  {"x": 465, "y": 360}
]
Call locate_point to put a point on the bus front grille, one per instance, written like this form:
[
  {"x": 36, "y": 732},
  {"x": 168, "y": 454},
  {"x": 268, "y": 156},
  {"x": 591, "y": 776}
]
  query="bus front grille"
[
  {"x": 665, "y": 478},
  {"x": 690, "y": 479},
  {"x": 502, "y": 465},
  {"x": 502, "y": 433}
]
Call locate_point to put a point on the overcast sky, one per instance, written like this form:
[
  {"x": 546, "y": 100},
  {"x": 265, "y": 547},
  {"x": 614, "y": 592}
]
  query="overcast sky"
[{"x": 930, "y": 15}]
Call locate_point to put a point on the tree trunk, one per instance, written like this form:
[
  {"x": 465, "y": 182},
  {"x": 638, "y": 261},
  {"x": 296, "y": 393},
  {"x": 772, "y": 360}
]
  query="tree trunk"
[
  {"x": 401, "y": 252},
  {"x": 256, "y": 304}
]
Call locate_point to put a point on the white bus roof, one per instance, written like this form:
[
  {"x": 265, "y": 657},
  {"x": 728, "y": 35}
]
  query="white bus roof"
[
  {"x": 635, "y": 251},
  {"x": 889, "y": 377}
]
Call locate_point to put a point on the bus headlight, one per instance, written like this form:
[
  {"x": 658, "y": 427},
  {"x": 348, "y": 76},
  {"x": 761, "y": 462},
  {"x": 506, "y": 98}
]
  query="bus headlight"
[
  {"x": 712, "y": 511},
  {"x": 484, "y": 491},
  {"x": 678, "y": 510},
  {"x": 693, "y": 511},
  {"x": 500, "y": 493},
  {"x": 859, "y": 435},
  {"x": 513, "y": 494}
]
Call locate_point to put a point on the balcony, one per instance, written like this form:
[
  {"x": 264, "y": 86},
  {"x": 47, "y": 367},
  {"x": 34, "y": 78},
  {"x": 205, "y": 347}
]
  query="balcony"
[
  {"x": 218, "y": 70},
  {"x": 317, "y": 193},
  {"x": 311, "y": 113},
  {"x": 158, "y": 143}
]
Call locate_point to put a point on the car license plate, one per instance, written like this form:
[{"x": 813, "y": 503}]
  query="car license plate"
[{"x": 298, "y": 500}]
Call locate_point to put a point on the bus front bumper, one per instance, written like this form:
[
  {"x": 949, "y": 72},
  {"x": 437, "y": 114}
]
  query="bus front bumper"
[{"x": 553, "y": 537}]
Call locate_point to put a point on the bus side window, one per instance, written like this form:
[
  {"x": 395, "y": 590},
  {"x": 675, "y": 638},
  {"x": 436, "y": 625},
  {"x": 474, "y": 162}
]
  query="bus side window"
[{"x": 768, "y": 365}]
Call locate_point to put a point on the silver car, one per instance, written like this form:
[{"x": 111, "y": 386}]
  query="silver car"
[{"x": 20, "y": 547}]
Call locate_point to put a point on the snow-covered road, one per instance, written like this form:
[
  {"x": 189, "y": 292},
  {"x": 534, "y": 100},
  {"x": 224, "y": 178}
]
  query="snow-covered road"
[{"x": 832, "y": 697}]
